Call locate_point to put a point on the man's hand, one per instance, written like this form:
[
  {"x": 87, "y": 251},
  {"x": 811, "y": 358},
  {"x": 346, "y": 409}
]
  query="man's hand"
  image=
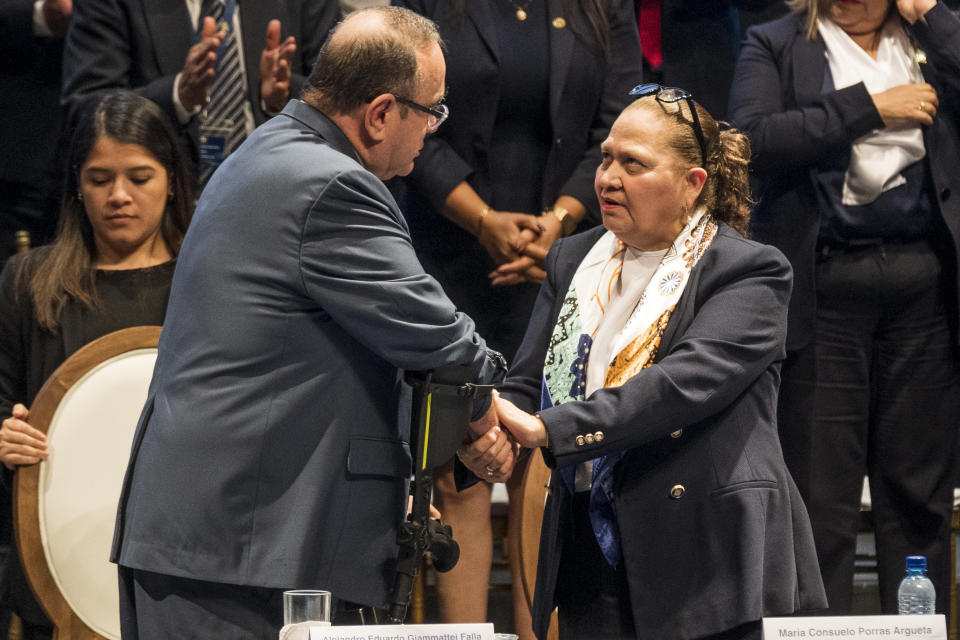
[
  {"x": 485, "y": 422},
  {"x": 526, "y": 428},
  {"x": 57, "y": 15},
  {"x": 491, "y": 456},
  {"x": 197, "y": 73},
  {"x": 907, "y": 105},
  {"x": 20, "y": 443},
  {"x": 276, "y": 60},
  {"x": 913, "y": 10}
]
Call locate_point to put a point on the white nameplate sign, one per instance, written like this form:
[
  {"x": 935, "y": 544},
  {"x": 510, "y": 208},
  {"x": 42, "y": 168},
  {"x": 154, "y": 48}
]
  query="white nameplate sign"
[
  {"x": 482, "y": 631},
  {"x": 932, "y": 627}
]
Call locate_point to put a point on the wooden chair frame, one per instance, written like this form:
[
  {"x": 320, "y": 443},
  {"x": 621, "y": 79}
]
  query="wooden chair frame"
[
  {"x": 68, "y": 625},
  {"x": 533, "y": 496}
]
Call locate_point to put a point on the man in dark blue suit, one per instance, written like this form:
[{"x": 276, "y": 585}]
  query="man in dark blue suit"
[
  {"x": 170, "y": 51},
  {"x": 273, "y": 449}
]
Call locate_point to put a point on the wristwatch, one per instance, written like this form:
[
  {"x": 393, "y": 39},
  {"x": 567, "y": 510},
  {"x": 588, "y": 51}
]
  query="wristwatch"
[{"x": 567, "y": 222}]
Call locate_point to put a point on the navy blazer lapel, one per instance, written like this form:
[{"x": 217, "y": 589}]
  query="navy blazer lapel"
[
  {"x": 561, "y": 50},
  {"x": 482, "y": 18},
  {"x": 168, "y": 22},
  {"x": 809, "y": 66}
]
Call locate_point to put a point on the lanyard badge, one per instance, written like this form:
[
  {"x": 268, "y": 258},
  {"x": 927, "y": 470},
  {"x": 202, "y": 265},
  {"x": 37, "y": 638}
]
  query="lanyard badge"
[{"x": 214, "y": 134}]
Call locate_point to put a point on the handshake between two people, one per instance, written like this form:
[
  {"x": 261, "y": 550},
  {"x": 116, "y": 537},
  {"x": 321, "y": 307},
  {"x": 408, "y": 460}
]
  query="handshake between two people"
[{"x": 493, "y": 442}]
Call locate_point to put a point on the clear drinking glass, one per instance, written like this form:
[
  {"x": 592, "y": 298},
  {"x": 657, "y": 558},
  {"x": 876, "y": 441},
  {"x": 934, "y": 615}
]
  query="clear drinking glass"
[{"x": 302, "y": 609}]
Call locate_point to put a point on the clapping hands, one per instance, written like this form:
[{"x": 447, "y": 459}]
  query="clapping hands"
[
  {"x": 198, "y": 68},
  {"x": 276, "y": 62}
]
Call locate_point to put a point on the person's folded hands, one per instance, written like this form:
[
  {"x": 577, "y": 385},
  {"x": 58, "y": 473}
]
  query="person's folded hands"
[{"x": 501, "y": 234}]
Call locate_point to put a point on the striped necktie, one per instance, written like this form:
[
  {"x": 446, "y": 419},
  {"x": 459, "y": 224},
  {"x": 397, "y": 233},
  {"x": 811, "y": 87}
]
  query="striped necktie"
[{"x": 227, "y": 92}]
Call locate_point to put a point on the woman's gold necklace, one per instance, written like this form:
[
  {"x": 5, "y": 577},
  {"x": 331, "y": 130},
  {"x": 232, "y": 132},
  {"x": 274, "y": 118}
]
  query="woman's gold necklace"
[{"x": 521, "y": 9}]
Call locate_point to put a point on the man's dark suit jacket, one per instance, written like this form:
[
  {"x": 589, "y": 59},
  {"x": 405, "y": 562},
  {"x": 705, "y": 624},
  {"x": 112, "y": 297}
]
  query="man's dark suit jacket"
[
  {"x": 142, "y": 44},
  {"x": 273, "y": 450},
  {"x": 778, "y": 100},
  {"x": 736, "y": 544}
]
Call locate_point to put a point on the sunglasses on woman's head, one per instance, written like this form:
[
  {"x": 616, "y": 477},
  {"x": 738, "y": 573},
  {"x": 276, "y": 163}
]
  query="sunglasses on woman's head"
[{"x": 674, "y": 94}]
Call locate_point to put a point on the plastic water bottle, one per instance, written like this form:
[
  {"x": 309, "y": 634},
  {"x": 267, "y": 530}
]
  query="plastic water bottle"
[{"x": 916, "y": 594}]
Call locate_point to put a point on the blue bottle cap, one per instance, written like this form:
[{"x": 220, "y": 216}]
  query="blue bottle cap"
[{"x": 917, "y": 562}]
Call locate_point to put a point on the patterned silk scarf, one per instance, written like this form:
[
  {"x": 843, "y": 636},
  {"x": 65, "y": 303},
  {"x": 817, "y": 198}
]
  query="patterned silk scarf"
[{"x": 636, "y": 345}]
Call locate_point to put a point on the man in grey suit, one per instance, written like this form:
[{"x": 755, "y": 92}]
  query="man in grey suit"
[{"x": 273, "y": 449}]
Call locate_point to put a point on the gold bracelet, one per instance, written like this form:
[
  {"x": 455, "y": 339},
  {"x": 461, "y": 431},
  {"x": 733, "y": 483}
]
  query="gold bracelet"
[{"x": 483, "y": 214}]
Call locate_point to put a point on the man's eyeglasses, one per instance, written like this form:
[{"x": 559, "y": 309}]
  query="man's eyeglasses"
[
  {"x": 675, "y": 94},
  {"x": 438, "y": 112}
]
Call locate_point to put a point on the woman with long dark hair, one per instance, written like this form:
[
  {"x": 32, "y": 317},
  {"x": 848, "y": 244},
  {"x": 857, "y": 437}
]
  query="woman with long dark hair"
[{"x": 126, "y": 205}]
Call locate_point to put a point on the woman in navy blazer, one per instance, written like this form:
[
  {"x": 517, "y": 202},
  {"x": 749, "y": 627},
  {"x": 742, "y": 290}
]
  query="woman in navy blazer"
[
  {"x": 533, "y": 87},
  {"x": 670, "y": 513},
  {"x": 870, "y": 385}
]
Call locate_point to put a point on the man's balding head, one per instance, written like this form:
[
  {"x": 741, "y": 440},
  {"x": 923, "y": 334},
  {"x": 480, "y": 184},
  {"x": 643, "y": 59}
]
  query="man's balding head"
[{"x": 371, "y": 52}]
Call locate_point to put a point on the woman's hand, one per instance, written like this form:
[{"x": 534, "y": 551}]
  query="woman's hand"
[
  {"x": 529, "y": 266},
  {"x": 907, "y": 105},
  {"x": 913, "y": 10},
  {"x": 523, "y": 269},
  {"x": 526, "y": 428},
  {"x": 500, "y": 233},
  {"x": 20, "y": 443}
]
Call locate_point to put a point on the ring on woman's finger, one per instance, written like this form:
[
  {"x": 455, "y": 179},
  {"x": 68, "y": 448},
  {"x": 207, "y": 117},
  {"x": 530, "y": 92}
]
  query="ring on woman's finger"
[
  {"x": 922, "y": 105},
  {"x": 490, "y": 470}
]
